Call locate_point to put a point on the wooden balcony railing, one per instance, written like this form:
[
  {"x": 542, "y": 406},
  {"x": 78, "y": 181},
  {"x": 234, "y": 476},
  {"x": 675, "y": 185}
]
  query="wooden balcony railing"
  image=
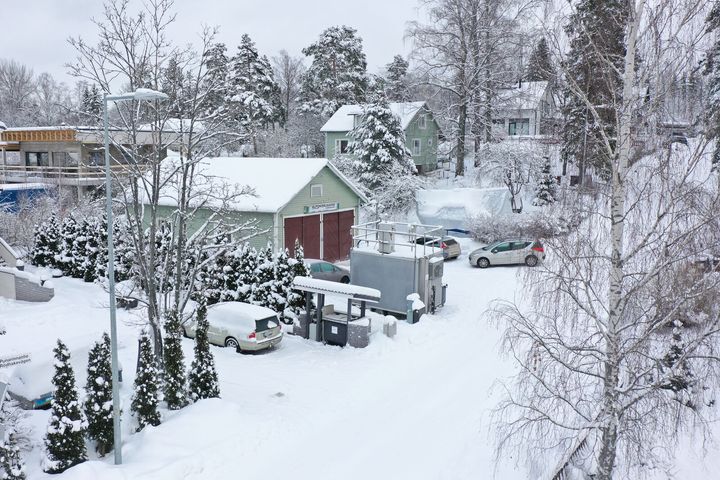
[{"x": 76, "y": 175}]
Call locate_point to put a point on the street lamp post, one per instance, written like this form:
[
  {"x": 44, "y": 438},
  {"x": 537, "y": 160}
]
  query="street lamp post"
[{"x": 139, "y": 94}]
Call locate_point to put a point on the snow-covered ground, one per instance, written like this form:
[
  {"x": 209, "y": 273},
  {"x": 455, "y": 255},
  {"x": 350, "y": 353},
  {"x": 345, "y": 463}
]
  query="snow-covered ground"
[{"x": 417, "y": 406}]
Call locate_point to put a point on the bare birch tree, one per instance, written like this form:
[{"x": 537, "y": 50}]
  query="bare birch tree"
[{"x": 618, "y": 354}]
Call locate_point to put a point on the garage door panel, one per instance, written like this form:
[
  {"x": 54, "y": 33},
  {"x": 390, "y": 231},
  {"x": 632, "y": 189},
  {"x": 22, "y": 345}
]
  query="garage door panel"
[
  {"x": 293, "y": 231},
  {"x": 311, "y": 235},
  {"x": 331, "y": 246},
  {"x": 345, "y": 222}
]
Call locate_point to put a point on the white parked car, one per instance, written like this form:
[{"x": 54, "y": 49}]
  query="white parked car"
[
  {"x": 238, "y": 325},
  {"x": 509, "y": 252}
]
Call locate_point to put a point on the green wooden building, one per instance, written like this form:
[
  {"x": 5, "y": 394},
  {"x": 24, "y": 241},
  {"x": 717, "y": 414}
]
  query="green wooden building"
[
  {"x": 306, "y": 199},
  {"x": 422, "y": 131}
]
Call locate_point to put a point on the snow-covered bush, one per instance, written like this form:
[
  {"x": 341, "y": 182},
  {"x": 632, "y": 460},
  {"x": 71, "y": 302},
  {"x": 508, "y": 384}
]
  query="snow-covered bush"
[
  {"x": 549, "y": 222},
  {"x": 11, "y": 464},
  {"x": 546, "y": 189},
  {"x": 98, "y": 396},
  {"x": 65, "y": 438},
  {"x": 145, "y": 401},
  {"x": 203, "y": 379}
]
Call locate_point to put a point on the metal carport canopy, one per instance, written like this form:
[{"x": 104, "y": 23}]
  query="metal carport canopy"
[{"x": 326, "y": 287}]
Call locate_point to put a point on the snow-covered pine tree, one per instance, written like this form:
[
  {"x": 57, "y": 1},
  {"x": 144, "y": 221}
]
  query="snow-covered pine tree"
[
  {"x": 379, "y": 144},
  {"x": 254, "y": 95},
  {"x": 337, "y": 75},
  {"x": 91, "y": 249},
  {"x": 247, "y": 277},
  {"x": 396, "y": 82},
  {"x": 539, "y": 66},
  {"x": 11, "y": 464},
  {"x": 95, "y": 103},
  {"x": 298, "y": 268},
  {"x": 216, "y": 80},
  {"x": 283, "y": 282},
  {"x": 145, "y": 401},
  {"x": 545, "y": 192},
  {"x": 69, "y": 229},
  {"x": 99, "y": 241},
  {"x": 174, "y": 380},
  {"x": 712, "y": 73},
  {"x": 79, "y": 262},
  {"x": 65, "y": 438},
  {"x": 98, "y": 396},
  {"x": 203, "y": 381},
  {"x": 263, "y": 283},
  {"x": 597, "y": 36},
  {"x": 124, "y": 251},
  {"x": 230, "y": 275},
  {"x": 47, "y": 243}
]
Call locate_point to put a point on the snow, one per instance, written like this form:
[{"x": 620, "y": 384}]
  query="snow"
[
  {"x": 415, "y": 406},
  {"x": 326, "y": 286},
  {"x": 275, "y": 181},
  {"x": 417, "y": 304},
  {"x": 237, "y": 315},
  {"x": 526, "y": 96},
  {"x": 342, "y": 120},
  {"x": 22, "y": 274}
]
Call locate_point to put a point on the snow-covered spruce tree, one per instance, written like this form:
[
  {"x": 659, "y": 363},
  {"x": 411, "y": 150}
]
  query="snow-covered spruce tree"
[
  {"x": 540, "y": 66},
  {"x": 298, "y": 268},
  {"x": 282, "y": 283},
  {"x": 65, "y": 438},
  {"x": 545, "y": 192},
  {"x": 215, "y": 82},
  {"x": 11, "y": 464},
  {"x": 98, "y": 396},
  {"x": 47, "y": 243},
  {"x": 396, "y": 81},
  {"x": 337, "y": 75},
  {"x": 99, "y": 241},
  {"x": 144, "y": 406},
  {"x": 263, "y": 284},
  {"x": 124, "y": 251},
  {"x": 379, "y": 144},
  {"x": 712, "y": 72},
  {"x": 203, "y": 381},
  {"x": 254, "y": 95},
  {"x": 593, "y": 84},
  {"x": 247, "y": 277},
  {"x": 69, "y": 229},
  {"x": 90, "y": 230},
  {"x": 174, "y": 380},
  {"x": 78, "y": 251}
]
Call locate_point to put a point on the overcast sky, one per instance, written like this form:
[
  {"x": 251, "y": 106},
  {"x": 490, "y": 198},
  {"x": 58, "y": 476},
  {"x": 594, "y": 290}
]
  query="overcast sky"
[{"x": 35, "y": 32}]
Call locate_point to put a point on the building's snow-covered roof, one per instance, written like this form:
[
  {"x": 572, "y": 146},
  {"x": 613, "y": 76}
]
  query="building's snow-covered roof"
[
  {"x": 275, "y": 181},
  {"x": 342, "y": 120},
  {"x": 525, "y": 96}
]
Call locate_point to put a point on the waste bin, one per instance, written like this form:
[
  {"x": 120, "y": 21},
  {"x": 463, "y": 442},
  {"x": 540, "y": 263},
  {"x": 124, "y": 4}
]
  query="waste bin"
[{"x": 335, "y": 332}]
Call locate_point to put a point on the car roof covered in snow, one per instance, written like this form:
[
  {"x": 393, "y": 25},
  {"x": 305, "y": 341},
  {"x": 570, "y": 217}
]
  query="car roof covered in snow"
[
  {"x": 234, "y": 313},
  {"x": 274, "y": 181},
  {"x": 343, "y": 119}
]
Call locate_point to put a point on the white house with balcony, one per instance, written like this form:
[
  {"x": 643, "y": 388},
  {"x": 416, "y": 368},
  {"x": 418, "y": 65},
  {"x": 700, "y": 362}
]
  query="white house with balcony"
[{"x": 525, "y": 109}]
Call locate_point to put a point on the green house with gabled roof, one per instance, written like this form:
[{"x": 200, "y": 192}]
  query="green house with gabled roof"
[{"x": 422, "y": 131}]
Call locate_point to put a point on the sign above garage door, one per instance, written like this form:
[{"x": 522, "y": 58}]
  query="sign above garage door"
[{"x": 322, "y": 207}]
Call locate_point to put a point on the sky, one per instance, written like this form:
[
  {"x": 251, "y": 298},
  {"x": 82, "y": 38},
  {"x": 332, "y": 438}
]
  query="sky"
[{"x": 37, "y": 32}]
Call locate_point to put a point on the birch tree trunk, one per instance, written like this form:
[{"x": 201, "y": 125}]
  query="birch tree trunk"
[{"x": 611, "y": 407}]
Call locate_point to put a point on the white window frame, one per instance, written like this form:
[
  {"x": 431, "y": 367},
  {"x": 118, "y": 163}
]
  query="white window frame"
[
  {"x": 338, "y": 145},
  {"x": 417, "y": 142},
  {"x": 422, "y": 121},
  {"x": 314, "y": 188}
]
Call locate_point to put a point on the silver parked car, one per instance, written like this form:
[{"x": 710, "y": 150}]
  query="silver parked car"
[
  {"x": 450, "y": 246},
  {"x": 508, "y": 252},
  {"x": 327, "y": 271},
  {"x": 238, "y": 325}
]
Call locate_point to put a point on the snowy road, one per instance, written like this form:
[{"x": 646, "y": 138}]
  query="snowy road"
[{"x": 413, "y": 407}]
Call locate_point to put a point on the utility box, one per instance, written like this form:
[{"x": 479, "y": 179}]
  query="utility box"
[
  {"x": 387, "y": 257},
  {"x": 359, "y": 333},
  {"x": 335, "y": 332}
]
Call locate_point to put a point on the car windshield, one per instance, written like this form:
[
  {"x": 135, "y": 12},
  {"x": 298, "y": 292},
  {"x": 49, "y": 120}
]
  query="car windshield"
[{"x": 265, "y": 324}]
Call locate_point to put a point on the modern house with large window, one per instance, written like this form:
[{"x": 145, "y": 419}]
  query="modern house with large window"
[
  {"x": 422, "y": 131},
  {"x": 69, "y": 157},
  {"x": 525, "y": 109}
]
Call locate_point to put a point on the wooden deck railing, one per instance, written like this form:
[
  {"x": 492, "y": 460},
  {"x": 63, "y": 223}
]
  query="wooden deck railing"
[{"x": 81, "y": 175}]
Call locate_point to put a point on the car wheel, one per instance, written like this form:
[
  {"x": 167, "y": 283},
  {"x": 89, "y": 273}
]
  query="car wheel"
[
  {"x": 345, "y": 279},
  {"x": 231, "y": 342},
  {"x": 531, "y": 261},
  {"x": 483, "y": 262}
]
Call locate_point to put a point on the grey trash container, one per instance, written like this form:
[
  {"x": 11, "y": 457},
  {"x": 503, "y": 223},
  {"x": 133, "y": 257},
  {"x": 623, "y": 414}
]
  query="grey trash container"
[{"x": 335, "y": 332}]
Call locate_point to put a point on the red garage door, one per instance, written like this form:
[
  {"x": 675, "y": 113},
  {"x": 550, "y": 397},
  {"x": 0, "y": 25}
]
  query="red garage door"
[
  {"x": 336, "y": 238},
  {"x": 307, "y": 231}
]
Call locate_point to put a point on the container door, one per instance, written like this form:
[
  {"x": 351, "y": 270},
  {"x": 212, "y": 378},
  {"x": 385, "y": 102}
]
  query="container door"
[
  {"x": 331, "y": 245},
  {"x": 345, "y": 222},
  {"x": 311, "y": 236}
]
